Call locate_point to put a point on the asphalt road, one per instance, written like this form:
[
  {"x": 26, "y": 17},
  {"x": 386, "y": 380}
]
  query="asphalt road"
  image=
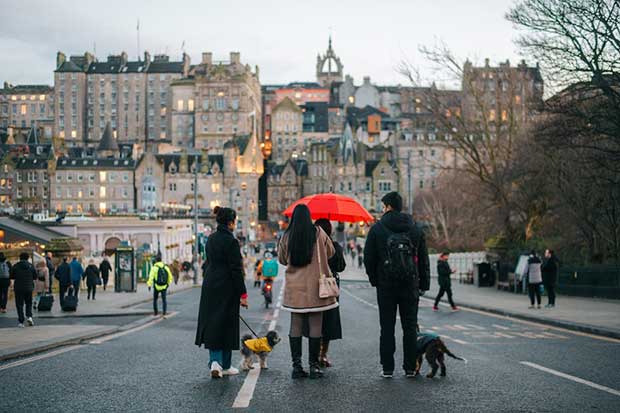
[{"x": 158, "y": 368}]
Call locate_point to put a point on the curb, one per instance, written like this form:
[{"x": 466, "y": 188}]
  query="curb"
[
  {"x": 79, "y": 339},
  {"x": 93, "y": 315},
  {"x": 148, "y": 300},
  {"x": 584, "y": 328}
]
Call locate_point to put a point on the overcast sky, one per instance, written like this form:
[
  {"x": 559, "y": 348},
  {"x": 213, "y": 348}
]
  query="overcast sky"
[{"x": 283, "y": 37}]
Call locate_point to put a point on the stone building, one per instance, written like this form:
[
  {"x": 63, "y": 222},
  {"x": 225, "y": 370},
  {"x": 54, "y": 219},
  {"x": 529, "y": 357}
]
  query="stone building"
[
  {"x": 215, "y": 102},
  {"x": 97, "y": 183},
  {"x": 286, "y": 130},
  {"x": 26, "y": 107},
  {"x": 286, "y": 185},
  {"x": 133, "y": 96}
]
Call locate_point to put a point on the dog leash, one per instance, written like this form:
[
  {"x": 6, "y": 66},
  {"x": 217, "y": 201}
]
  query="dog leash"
[{"x": 248, "y": 326}]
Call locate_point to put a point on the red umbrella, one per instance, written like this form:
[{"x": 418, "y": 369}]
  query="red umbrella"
[{"x": 333, "y": 207}]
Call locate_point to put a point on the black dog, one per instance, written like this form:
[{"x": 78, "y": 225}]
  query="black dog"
[{"x": 431, "y": 346}]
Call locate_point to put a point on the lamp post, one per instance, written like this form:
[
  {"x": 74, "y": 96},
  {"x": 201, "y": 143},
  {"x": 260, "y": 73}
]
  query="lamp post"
[{"x": 195, "y": 255}]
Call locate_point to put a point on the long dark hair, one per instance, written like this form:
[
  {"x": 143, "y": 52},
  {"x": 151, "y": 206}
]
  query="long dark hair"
[{"x": 301, "y": 237}]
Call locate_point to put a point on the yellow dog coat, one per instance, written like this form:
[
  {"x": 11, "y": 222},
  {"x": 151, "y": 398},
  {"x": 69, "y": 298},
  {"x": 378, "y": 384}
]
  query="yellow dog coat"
[{"x": 258, "y": 345}]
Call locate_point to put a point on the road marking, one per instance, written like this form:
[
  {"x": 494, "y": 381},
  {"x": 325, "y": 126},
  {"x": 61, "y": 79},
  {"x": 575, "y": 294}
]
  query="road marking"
[
  {"x": 246, "y": 392},
  {"x": 131, "y": 330},
  {"x": 40, "y": 357},
  {"x": 500, "y": 327},
  {"x": 475, "y": 327},
  {"x": 504, "y": 335},
  {"x": 361, "y": 300},
  {"x": 456, "y": 340},
  {"x": 573, "y": 378},
  {"x": 532, "y": 323}
]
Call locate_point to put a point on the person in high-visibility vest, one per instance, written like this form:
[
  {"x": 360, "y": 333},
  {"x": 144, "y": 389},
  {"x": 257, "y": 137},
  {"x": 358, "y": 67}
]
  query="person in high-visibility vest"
[{"x": 160, "y": 279}]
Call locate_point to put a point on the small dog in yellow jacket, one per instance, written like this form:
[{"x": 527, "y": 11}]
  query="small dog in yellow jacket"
[{"x": 260, "y": 347}]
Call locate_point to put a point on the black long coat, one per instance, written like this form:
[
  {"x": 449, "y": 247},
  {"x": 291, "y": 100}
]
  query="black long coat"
[
  {"x": 92, "y": 275},
  {"x": 222, "y": 287}
]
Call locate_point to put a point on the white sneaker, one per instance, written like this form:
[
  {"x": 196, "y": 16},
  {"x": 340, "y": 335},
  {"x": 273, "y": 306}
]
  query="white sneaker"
[
  {"x": 20, "y": 325},
  {"x": 30, "y": 322},
  {"x": 230, "y": 372},
  {"x": 216, "y": 370}
]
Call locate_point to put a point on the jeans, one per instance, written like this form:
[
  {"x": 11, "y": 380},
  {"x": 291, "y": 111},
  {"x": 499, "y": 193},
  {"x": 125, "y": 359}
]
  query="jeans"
[
  {"x": 92, "y": 290},
  {"x": 405, "y": 299},
  {"x": 223, "y": 358},
  {"x": 163, "y": 299},
  {"x": 443, "y": 290},
  {"x": 22, "y": 298},
  {"x": 533, "y": 289},
  {"x": 550, "y": 293},
  {"x": 76, "y": 288},
  {"x": 4, "y": 292}
]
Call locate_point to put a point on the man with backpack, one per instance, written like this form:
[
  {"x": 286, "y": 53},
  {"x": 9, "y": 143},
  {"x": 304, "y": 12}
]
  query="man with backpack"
[
  {"x": 63, "y": 275},
  {"x": 397, "y": 264},
  {"x": 160, "y": 279},
  {"x": 23, "y": 275}
]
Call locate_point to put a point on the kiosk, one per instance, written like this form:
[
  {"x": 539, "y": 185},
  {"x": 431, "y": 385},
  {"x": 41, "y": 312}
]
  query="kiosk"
[{"x": 125, "y": 270}]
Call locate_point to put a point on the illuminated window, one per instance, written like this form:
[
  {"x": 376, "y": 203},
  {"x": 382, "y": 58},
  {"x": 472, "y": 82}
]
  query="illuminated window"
[
  {"x": 41, "y": 97},
  {"x": 32, "y": 97},
  {"x": 102, "y": 207},
  {"x": 215, "y": 187},
  {"x": 23, "y": 109},
  {"x": 163, "y": 111},
  {"x": 79, "y": 194},
  {"x": 492, "y": 114},
  {"x": 13, "y": 97},
  {"x": 190, "y": 105},
  {"x": 102, "y": 192},
  {"x": 517, "y": 99},
  {"x": 351, "y": 99},
  {"x": 23, "y": 97},
  {"x": 73, "y": 134},
  {"x": 62, "y": 134},
  {"x": 504, "y": 115},
  {"x": 102, "y": 176},
  {"x": 180, "y": 104}
]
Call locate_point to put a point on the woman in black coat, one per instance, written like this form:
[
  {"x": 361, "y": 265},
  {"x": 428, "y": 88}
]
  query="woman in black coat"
[
  {"x": 92, "y": 278},
  {"x": 223, "y": 291},
  {"x": 332, "y": 329}
]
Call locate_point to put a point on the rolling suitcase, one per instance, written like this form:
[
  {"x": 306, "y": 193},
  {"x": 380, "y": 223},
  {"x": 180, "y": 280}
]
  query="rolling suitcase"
[
  {"x": 70, "y": 301},
  {"x": 45, "y": 302}
]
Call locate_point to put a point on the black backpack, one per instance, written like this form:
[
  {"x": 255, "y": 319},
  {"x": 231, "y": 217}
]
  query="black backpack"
[
  {"x": 400, "y": 263},
  {"x": 162, "y": 276}
]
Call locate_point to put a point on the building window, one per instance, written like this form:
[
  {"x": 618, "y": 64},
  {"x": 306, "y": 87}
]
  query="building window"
[
  {"x": 102, "y": 191},
  {"x": 180, "y": 105},
  {"x": 421, "y": 184},
  {"x": 190, "y": 105},
  {"x": 220, "y": 103},
  {"x": 205, "y": 104},
  {"x": 102, "y": 176},
  {"x": 23, "y": 109}
]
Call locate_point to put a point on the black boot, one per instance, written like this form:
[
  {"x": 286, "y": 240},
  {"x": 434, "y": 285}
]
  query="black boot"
[
  {"x": 313, "y": 357},
  {"x": 298, "y": 371}
]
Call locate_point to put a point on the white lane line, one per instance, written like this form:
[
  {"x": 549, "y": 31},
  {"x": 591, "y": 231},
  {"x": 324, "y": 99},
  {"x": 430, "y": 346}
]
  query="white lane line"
[
  {"x": 500, "y": 327},
  {"x": 573, "y": 378},
  {"x": 131, "y": 330},
  {"x": 40, "y": 357},
  {"x": 246, "y": 392},
  {"x": 532, "y": 323},
  {"x": 456, "y": 340},
  {"x": 361, "y": 300}
]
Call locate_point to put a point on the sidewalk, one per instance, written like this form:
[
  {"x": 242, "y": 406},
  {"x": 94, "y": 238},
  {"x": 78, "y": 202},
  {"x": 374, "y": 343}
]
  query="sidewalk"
[
  {"x": 18, "y": 342},
  {"x": 107, "y": 303},
  {"x": 591, "y": 315}
]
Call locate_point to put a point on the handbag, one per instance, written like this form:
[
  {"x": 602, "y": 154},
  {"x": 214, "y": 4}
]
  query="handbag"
[{"x": 328, "y": 287}]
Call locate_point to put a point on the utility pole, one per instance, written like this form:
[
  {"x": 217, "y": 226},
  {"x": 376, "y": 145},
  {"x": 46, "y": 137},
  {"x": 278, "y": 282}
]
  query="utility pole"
[{"x": 195, "y": 260}]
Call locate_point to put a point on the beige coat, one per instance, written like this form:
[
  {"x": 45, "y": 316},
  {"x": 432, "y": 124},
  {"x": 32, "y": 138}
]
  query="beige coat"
[
  {"x": 41, "y": 287},
  {"x": 301, "y": 291}
]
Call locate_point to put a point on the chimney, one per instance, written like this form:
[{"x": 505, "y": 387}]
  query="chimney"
[
  {"x": 235, "y": 58},
  {"x": 366, "y": 80},
  {"x": 123, "y": 58},
  {"x": 207, "y": 58},
  {"x": 60, "y": 59},
  {"x": 88, "y": 59},
  {"x": 186, "y": 64},
  {"x": 147, "y": 57},
  {"x": 486, "y": 62}
]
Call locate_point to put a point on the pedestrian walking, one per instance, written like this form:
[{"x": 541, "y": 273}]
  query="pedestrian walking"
[
  {"x": 92, "y": 279},
  {"x": 331, "y": 327},
  {"x": 176, "y": 270},
  {"x": 305, "y": 250},
  {"x": 23, "y": 276},
  {"x": 397, "y": 264},
  {"x": 360, "y": 257},
  {"x": 444, "y": 273},
  {"x": 258, "y": 272},
  {"x": 63, "y": 275},
  {"x": 160, "y": 278},
  {"x": 550, "y": 272},
  {"x": 5, "y": 282},
  {"x": 42, "y": 283},
  {"x": 223, "y": 292},
  {"x": 104, "y": 269},
  {"x": 534, "y": 278},
  {"x": 50, "y": 269},
  {"x": 76, "y": 275}
]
